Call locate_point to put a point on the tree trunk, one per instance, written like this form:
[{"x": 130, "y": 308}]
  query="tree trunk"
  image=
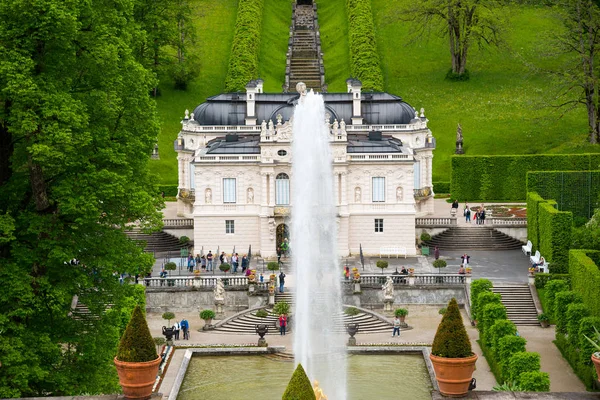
[
  {"x": 6, "y": 148},
  {"x": 38, "y": 185}
]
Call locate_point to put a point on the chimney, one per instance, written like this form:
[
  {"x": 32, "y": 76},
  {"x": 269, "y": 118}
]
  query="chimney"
[
  {"x": 251, "y": 89},
  {"x": 354, "y": 87}
]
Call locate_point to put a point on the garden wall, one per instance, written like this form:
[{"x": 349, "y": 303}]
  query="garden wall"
[
  {"x": 585, "y": 278},
  {"x": 504, "y": 178}
]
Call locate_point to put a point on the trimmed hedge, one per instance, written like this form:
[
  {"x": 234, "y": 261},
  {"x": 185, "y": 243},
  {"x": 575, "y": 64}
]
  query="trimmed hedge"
[
  {"x": 505, "y": 177},
  {"x": 478, "y": 286},
  {"x": 533, "y": 234},
  {"x": 555, "y": 236},
  {"x": 491, "y": 313},
  {"x": 364, "y": 58},
  {"x": 562, "y": 302},
  {"x": 585, "y": 278},
  {"x": 576, "y": 312},
  {"x": 586, "y": 328},
  {"x": 299, "y": 387},
  {"x": 587, "y": 373},
  {"x": 441, "y": 187},
  {"x": 243, "y": 60},
  {"x": 522, "y": 362},
  {"x": 136, "y": 344},
  {"x": 500, "y": 329},
  {"x": 552, "y": 289},
  {"x": 168, "y": 190},
  {"x": 534, "y": 381},
  {"x": 451, "y": 339},
  {"x": 574, "y": 191},
  {"x": 542, "y": 279}
]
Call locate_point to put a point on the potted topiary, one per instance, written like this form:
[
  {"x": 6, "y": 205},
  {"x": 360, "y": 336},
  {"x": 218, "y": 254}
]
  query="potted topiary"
[
  {"x": 168, "y": 316},
  {"x": 184, "y": 240},
  {"x": 382, "y": 264},
  {"x": 299, "y": 386},
  {"x": 425, "y": 237},
  {"x": 596, "y": 356},
  {"x": 225, "y": 267},
  {"x": 451, "y": 355},
  {"x": 136, "y": 361},
  {"x": 544, "y": 320},
  {"x": 401, "y": 313},
  {"x": 207, "y": 316}
]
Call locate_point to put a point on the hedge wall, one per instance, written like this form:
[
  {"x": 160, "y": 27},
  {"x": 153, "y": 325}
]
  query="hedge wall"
[
  {"x": 533, "y": 202},
  {"x": 585, "y": 278},
  {"x": 243, "y": 60},
  {"x": 441, "y": 187},
  {"x": 575, "y": 191},
  {"x": 169, "y": 190},
  {"x": 554, "y": 229},
  {"x": 493, "y": 178},
  {"x": 364, "y": 59},
  {"x": 542, "y": 279}
]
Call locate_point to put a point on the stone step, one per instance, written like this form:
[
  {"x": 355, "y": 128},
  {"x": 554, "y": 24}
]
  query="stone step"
[{"x": 520, "y": 307}]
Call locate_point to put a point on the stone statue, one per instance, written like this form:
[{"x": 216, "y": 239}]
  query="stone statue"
[
  {"x": 263, "y": 126},
  {"x": 357, "y": 195},
  {"x": 250, "y": 198},
  {"x": 187, "y": 114},
  {"x": 192, "y": 116},
  {"x": 271, "y": 125},
  {"x": 319, "y": 395},
  {"x": 422, "y": 112},
  {"x": 343, "y": 125},
  {"x": 336, "y": 124},
  {"x": 219, "y": 291},
  {"x": 459, "y": 141},
  {"x": 208, "y": 196},
  {"x": 459, "y": 136},
  {"x": 327, "y": 118},
  {"x": 388, "y": 288},
  {"x": 301, "y": 88},
  {"x": 399, "y": 194},
  {"x": 279, "y": 119}
]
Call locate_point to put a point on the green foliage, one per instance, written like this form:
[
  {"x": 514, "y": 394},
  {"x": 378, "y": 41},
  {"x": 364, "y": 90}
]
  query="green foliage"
[
  {"x": 225, "y": 267},
  {"x": 208, "y": 314},
  {"x": 509, "y": 345},
  {"x": 552, "y": 289},
  {"x": 541, "y": 279},
  {"x": 351, "y": 311},
  {"x": 562, "y": 302},
  {"x": 587, "y": 329},
  {"x": 382, "y": 264},
  {"x": 282, "y": 307},
  {"x": 543, "y": 317},
  {"x": 168, "y": 316},
  {"x": 454, "y": 77},
  {"x": 401, "y": 312},
  {"x": 555, "y": 236},
  {"x": 262, "y": 313},
  {"x": 425, "y": 237},
  {"x": 507, "y": 387},
  {"x": 484, "y": 299},
  {"x": 272, "y": 265},
  {"x": 439, "y": 263},
  {"x": 168, "y": 190},
  {"x": 575, "y": 313},
  {"x": 170, "y": 266},
  {"x": 451, "y": 339},
  {"x": 442, "y": 311},
  {"x": 585, "y": 278},
  {"x": 574, "y": 191},
  {"x": 299, "y": 387},
  {"x": 505, "y": 177},
  {"x": 364, "y": 59},
  {"x": 478, "y": 286},
  {"x": 274, "y": 38},
  {"x": 490, "y": 313},
  {"x": 441, "y": 187},
  {"x": 136, "y": 344},
  {"x": 522, "y": 362},
  {"x": 577, "y": 360},
  {"x": 594, "y": 340},
  {"x": 184, "y": 240},
  {"x": 533, "y": 227},
  {"x": 243, "y": 60},
  {"x": 534, "y": 381},
  {"x": 500, "y": 329},
  {"x": 333, "y": 24}
]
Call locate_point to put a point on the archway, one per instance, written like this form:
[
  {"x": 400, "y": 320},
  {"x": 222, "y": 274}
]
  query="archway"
[{"x": 283, "y": 232}]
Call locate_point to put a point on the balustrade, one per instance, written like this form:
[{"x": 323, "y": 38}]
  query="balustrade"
[
  {"x": 178, "y": 222},
  {"x": 520, "y": 222},
  {"x": 429, "y": 222},
  {"x": 404, "y": 280},
  {"x": 188, "y": 281}
]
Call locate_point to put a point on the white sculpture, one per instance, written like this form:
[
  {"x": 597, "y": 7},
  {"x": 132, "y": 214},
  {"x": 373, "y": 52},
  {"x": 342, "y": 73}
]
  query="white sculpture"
[
  {"x": 263, "y": 126},
  {"x": 187, "y": 114},
  {"x": 271, "y": 125},
  {"x": 301, "y": 88},
  {"x": 399, "y": 194},
  {"x": 250, "y": 196},
  {"x": 343, "y": 125},
  {"x": 388, "y": 288},
  {"x": 208, "y": 196},
  {"x": 219, "y": 291},
  {"x": 336, "y": 125},
  {"x": 357, "y": 195}
]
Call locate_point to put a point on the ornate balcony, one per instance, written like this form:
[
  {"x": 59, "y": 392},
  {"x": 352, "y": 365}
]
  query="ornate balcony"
[
  {"x": 187, "y": 194},
  {"x": 281, "y": 211},
  {"x": 422, "y": 193}
]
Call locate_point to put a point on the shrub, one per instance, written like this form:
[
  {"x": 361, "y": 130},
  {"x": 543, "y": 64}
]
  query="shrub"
[
  {"x": 490, "y": 314},
  {"x": 454, "y": 77},
  {"x": 243, "y": 59},
  {"x": 587, "y": 327},
  {"x": 425, "y": 237},
  {"x": 522, "y": 362},
  {"x": 552, "y": 289},
  {"x": 299, "y": 387},
  {"x": 577, "y": 361},
  {"x": 509, "y": 345},
  {"x": 497, "y": 331},
  {"x": 555, "y": 236},
  {"x": 168, "y": 190},
  {"x": 136, "y": 344},
  {"x": 534, "y": 381},
  {"x": 541, "y": 279},
  {"x": 364, "y": 57},
  {"x": 484, "y": 299},
  {"x": 207, "y": 314},
  {"x": 401, "y": 312},
  {"x": 184, "y": 240},
  {"x": 478, "y": 286},
  {"x": 281, "y": 307},
  {"x": 585, "y": 278},
  {"x": 543, "y": 317},
  {"x": 451, "y": 339},
  {"x": 272, "y": 265},
  {"x": 576, "y": 312},
  {"x": 225, "y": 267},
  {"x": 262, "y": 313},
  {"x": 563, "y": 299},
  {"x": 439, "y": 263},
  {"x": 441, "y": 187},
  {"x": 168, "y": 316},
  {"x": 382, "y": 264},
  {"x": 170, "y": 266},
  {"x": 442, "y": 311}
]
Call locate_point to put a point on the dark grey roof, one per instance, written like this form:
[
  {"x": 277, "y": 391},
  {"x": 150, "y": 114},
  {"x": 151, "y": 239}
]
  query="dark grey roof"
[
  {"x": 241, "y": 146},
  {"x": 230, "y": 108},
  {"x": 362, "y": 144}
]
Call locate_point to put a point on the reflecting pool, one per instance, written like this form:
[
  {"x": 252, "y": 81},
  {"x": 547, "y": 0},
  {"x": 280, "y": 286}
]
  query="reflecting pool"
[{"x": 260, "y": 377}]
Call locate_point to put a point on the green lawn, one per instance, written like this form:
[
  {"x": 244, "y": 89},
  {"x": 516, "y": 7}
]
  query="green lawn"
[
  {"x": 277, "y": 18},
  {"x": 214, "y": 21},
  {"x": 503, "y": 108},
  {"x": 334, "y": 43}
]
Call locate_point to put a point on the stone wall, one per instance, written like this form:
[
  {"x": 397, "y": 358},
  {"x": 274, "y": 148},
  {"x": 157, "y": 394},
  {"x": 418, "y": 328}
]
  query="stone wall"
[
  {"x": 431, "y": 295},
  {"x": 398, "y": 230}
]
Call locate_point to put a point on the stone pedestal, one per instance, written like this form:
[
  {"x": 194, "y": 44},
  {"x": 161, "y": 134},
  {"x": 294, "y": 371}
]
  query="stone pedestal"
[
  {"x": 219, "y": 307},
  {"x": 411, "y": 281},
  {"x": 352, "y": 341},
  {"x": 357, "y": 287},
  {"x": 271, "y": 299},
  {"x": 531, "y": 280},
  {"x": 387, "y": 304},
  {"x": 468, "y": 279},
  {"x": 196, "y": 283},
  {"x": 251, "y": 288},
  {"x": 262, "y": 342}
]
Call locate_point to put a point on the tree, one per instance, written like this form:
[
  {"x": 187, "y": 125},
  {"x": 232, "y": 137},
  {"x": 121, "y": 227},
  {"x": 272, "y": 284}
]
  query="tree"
[
  {"x": 463, "y": 22},
  {"x": 76, "y": 130}
]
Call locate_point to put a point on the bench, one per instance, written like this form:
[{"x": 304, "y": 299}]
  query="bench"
[
  {"x": 527, "y": 248},
  {"x": 535, "y": 259},
  {"x": 391, "y": 251}
]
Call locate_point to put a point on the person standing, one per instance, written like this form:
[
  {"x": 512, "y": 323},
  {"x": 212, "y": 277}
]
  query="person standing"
[
  {"x": 203, "y": 262},
  {"x": 465, "y": 260},
  {"x": 185, "y": 327},
  {"x": 482, "y": 216},
  {"x": 281, "y": 281},
  {"x": 454, "y": 208},
  {"x": 244, "y": 263},
  {"x": 282, "y": 324},
  {"x": 198, "y": 261},
  {"x": 209, "y": 261},
  {"x": 467, "y": 214},
  {"x": 396, "y": 327},
  {"x": 176, "y": 328},
  {"x": 436, "y": 252},
  {"x": 234, "y": 262}
]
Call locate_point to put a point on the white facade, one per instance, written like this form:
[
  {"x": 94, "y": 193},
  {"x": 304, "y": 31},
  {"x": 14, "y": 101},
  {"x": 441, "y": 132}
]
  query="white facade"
[{"x": 242, "y": 199}]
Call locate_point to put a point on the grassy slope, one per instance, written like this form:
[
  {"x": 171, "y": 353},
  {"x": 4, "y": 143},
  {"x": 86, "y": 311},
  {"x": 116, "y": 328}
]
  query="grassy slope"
[
  {"x": 277, "y": 17},
  {"x": 214, "y": 21},
  {"x": 501, "y": 108},
  {"x": 334, "y": 43}
]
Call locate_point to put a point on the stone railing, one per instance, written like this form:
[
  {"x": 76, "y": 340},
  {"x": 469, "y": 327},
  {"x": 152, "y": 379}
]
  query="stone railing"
[
  {"x": 178, "y": 223},
  {"x": 435, "y": 222},
  {"x": 511, "y": 222},
  {"x": 411, "y": 280},
  {"x": 192, "y": 281},
  {"x": 211, "y": 159},
  {"x": 378, "y": 157}
]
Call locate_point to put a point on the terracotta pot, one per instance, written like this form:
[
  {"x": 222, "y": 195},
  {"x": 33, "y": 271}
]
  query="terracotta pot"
[
  {"x": 137, "y": 379},
  {"x": 596, "y": 361},
  {"x": 453, "y": 375},
  {"x": 402, "y": 318}
]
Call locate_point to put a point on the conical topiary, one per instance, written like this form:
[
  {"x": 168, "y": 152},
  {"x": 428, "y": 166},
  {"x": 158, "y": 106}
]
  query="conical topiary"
[
  {"x": 136, "y": 344},
  {"x": 299, "y": 387},
  {"x": 451, "y": 339}
]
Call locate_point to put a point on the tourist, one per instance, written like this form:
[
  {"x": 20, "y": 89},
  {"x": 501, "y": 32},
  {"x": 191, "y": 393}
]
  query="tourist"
[
  {"x": 281, "y": 281},
  {"x": 476, "y": 216},
  {"x": 346, "y": 272},
  {"x": 248, "y": 271},
  {"x": 482, "y": 216},
  {"x": 539, "y": 264},
  {"x": 396, "y": 327},
  {"x": 467, "y": 214},
  {"x": 282, "y": 324},
  {"x": 198, "y": 261},
  {"x": 462, "y": 270},
  {"x": 234, "y": 262},
  {"x": 209, "y": 261},
  {"x": 262, "y": 278},
  {"x": 404, "y": 271},
  {"x": 176, "y": 328},
  {"x": 163, "y": 273},
  {"x": 191, "y": 263},
  {"x": 223, "y": 257},
  {"x": 436, "y": 253},
  {"x": 279, "y": 254},
  {"x": 203, "y": 262},
  {"x": 245, "y": 263},
  {"x": 465, "y": 259},
  {"x": 454, "y": 208},
  {"x": 185, "y": 327}
]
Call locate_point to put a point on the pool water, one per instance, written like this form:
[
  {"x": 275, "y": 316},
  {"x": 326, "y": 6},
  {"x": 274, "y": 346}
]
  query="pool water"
[{"x": 370, "y": 377}]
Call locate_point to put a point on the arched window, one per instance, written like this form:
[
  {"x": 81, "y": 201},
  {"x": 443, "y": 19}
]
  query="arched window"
[{"x": 282, "y": 189}]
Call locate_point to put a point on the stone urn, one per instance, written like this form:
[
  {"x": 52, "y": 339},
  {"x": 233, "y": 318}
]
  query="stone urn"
[
  {"x": 357, "y": 286},
  {"x": 261, "y": 330},
  {"x": 168, "y": 333},
  {"x": 352, "y": 329}
]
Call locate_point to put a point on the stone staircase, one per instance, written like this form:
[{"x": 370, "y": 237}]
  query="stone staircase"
[
  {"x": 473, "y": 238},
  {"x": 157, "y": 242},
  {"x": 304, "y": 58},
  {"x": 519, "y": 304}
]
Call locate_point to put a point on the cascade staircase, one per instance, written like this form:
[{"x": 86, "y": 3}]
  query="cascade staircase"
[
  {"x": 520, "y": 308},
  {"x": 304, "y": 55},
  {"x": 157, "y": 242},
  {"x": 473, "y": 238}
]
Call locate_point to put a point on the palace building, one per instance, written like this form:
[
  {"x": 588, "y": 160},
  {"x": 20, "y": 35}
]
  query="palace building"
[{"x": 234, "y": 162}]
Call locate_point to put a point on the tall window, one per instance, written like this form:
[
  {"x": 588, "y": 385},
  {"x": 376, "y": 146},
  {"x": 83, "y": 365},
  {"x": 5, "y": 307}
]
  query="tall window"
[
  {"x": 417, "y": 173},
  {"x": 229, "y": 194},
  {"x": 192, "y": 176},
  {"x": 378, "y": 224},
  {"x": 282, "y": 189},
  {"x": 378, "y": 189},
  {"x": 229, "y": 226}
]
